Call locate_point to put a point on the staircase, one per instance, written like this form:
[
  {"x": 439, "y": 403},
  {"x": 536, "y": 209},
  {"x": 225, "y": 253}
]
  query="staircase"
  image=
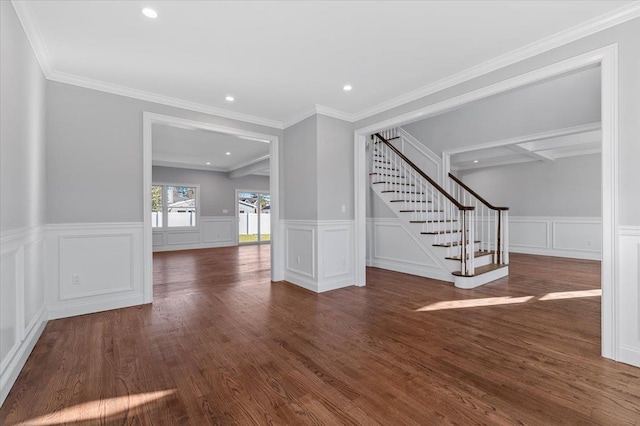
[{"x": 456, "y": 225}]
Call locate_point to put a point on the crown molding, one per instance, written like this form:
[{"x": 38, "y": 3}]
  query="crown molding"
[
  {"x": 32, "y": 31},
  {"x": 160, "y": 99},
  {"x": 34, "y": 36},
  {"x": 320, "y": 110},
  {"x": 603, "y": 22},
  {"x": 332, "y": 112},
  {"x": 585, "y": 29},
  {"x": 191, "y": 166},
  {"x": 296, "y": 118},
  {"x": 249, "y": 162}
]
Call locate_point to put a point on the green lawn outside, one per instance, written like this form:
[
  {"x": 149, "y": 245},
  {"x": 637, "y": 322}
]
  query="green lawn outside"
[{"x": 254, "y": 238}]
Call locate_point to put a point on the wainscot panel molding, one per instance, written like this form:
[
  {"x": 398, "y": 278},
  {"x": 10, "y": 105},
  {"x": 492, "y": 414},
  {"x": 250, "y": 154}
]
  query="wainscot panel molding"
[
  {"x": 390, "y": 246},
  {"x": 212, "y": 231},
  {"x": 573, "y": 237},
  {"x": 319, "y": 254},
  {"x": 23, "y": 314},
  {"x": 628, "y": 297},
  {"x": 93, "y": 267}
]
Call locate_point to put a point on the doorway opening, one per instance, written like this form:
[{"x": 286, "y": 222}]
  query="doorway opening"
[
  {"x": 254, "y": 217},
  {"x": 607, "y": 59},
  {"x": 188, "y": 194}
]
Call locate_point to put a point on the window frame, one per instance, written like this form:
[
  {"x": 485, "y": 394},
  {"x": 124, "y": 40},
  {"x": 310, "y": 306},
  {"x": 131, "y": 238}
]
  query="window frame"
[{"x": 165, "y": 208}]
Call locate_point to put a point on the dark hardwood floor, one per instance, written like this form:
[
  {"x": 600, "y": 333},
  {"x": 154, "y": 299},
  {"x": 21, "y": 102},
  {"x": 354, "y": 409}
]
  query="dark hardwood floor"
[{"x": 221, "y": 344}]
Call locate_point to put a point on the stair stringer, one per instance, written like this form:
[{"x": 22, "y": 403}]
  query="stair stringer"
[{"x": 436, "y": 255}]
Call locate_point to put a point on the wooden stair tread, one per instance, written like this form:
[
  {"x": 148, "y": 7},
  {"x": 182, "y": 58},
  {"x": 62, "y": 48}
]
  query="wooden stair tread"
[
  {"x": 411, "y": 201},
  {"x": 431, "y": 221},
  {"x": 452, "y": 244},
  {"x": 385, "y": 174},
  {"x": 421, "y": 211},
  {"x": 451, "y": 231},
  {"x": 480, "y": 270},
  {"x": 475, "y": 254},
  {"x": 403, "y": 192},
  {"x": 394, "y": 183}
]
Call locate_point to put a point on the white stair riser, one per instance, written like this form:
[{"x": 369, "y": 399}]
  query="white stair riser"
[
  {"x": 478, "y": 280},
  {"x": 454, "y": 265}
]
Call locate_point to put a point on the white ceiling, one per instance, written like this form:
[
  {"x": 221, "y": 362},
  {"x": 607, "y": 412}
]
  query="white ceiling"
[
  {"x": 279, "y": 59},
  {"x": 194, "y": 148},
  {"x": 571, "y": 142}
]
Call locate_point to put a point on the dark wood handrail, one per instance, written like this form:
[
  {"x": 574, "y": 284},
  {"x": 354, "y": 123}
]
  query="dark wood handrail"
[
  {"x": 472, "y": 192},
  {"x": 424, "y": 175}
]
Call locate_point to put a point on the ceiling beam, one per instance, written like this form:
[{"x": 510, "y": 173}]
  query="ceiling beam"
[
  {"x": 533, "y": 154},
  {"x": 249, "y": 169}
]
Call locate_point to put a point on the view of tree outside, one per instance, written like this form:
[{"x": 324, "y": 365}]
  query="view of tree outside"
[
  {"x": 174, "y": 204},
  {"x": 254, "y": 220}
]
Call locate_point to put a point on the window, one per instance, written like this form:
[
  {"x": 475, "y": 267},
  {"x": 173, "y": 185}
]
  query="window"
[{"x": 174, "y": 206}]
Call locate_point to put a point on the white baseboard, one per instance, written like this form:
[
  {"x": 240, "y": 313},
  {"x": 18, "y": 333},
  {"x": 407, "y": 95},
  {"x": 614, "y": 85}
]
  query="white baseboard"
[
  {"x": 301, "y": 281},
  {"x": 319, "y": 254},
  {"x": 11, "y": 372},
  {"x": 84, "y": 308},
  {"x": 176, "y": 247},
  {"x": 411, "y": 269}
]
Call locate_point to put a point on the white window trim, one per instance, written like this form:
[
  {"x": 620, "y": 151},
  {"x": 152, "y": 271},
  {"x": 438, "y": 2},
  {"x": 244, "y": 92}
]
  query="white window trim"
[{"x": 164, "y": 207}]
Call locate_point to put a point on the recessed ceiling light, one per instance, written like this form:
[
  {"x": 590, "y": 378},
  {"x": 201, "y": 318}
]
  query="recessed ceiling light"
[
  {"x": 149, "y": 13},
  {"x": 208, "y": 163},
  {"x": 347, "y": 87},
  {"x": 229, "y": 99},
  {"x": 475, "y": 161},
  {"x": 227, "y": 153}
]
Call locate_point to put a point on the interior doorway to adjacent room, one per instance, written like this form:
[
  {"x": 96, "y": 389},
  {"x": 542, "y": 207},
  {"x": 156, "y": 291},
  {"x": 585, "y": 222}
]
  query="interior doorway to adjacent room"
[{"x": 253, "y": 213}]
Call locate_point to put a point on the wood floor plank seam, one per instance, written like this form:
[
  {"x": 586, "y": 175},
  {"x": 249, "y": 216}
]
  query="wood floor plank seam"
[{"x": 223, "y": 345}]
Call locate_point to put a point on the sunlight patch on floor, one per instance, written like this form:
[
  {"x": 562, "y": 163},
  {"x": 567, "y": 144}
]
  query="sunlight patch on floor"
[
  {"x": 571, "y": 294},
  {"x": 474, "y": 303},
  {"x": 99, "y": 409},
  {"x": 508, "y": 300}
]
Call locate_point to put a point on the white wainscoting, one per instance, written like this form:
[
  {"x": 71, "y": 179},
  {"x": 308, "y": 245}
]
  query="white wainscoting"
[
  {"x": 213, "y": 231},
  {"x": 391, "y": 246},
  {"x": 573, "y": 237},
  {"x": 22, "y": 300},
  {"x": 319, "y": 254},
  {"x": 628, "y": 297},
  {"x": 92, "y": 267}
]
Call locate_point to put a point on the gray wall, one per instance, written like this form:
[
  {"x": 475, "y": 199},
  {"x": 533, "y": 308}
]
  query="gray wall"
[
  {"x": 94, "y": 153},
  {"x": 335, "y": 168},
  {"x": 300, "y": 170},
  {"x": 562, "y": 102},
  {"x": 627, "y": 36},
  {"x": 318, "y": 169},
  {"x": 22, "y": 118},
  {"x": 217, "y": 192},
  {"x": 566, "y": 187}
]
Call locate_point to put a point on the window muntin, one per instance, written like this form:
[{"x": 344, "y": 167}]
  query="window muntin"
[{"x": 174, "y": 206}]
